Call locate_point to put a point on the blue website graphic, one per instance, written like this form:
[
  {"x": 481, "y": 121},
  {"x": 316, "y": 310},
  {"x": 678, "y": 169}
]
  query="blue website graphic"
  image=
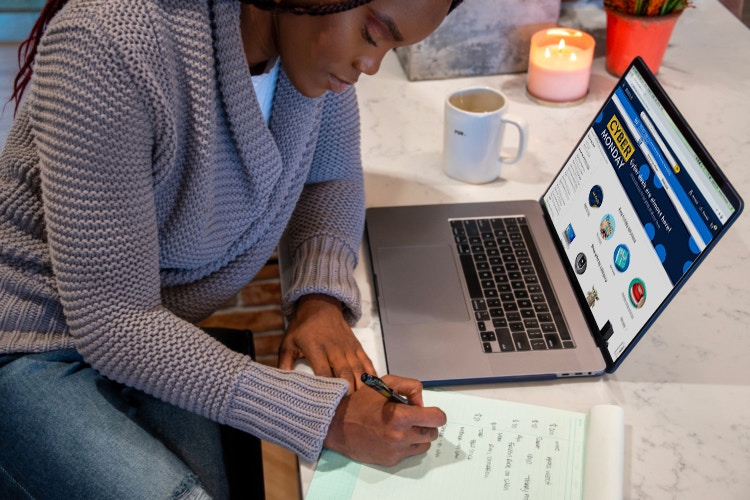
[
  {"x": 634, "y": 207},
  {"x": 673, "y": 242}
]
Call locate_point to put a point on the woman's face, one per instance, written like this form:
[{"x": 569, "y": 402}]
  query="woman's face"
[{"x": 330, "y": 52}]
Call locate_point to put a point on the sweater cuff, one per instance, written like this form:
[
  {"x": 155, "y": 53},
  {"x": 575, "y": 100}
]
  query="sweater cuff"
[
  {"x": 324, "y": 265},
  {"x": 288, "y": 408}
]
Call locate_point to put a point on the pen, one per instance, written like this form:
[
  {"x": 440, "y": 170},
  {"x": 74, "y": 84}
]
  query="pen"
[{"x": 379, "y": 385}]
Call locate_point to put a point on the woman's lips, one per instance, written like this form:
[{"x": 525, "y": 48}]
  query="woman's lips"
[{"x": 338, "y": 85}]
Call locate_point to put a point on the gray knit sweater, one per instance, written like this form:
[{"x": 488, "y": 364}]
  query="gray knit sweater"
[{"x": 140, "y": 189}]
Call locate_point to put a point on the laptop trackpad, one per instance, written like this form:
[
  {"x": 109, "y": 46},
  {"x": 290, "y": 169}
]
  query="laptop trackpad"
[{"x": 421, "y": 285}]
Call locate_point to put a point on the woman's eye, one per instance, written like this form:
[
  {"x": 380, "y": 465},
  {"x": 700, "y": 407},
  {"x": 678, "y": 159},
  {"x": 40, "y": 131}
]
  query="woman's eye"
[
  {"x": 368, "y": 37},
  {"x": 374, "y": 31}
]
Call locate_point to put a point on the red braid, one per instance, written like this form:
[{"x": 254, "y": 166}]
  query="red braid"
[{"x": 27, "y": 50}]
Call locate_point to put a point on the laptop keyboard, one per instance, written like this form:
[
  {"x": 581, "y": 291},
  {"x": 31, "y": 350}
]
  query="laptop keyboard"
[{"x": 513, "y": 304}]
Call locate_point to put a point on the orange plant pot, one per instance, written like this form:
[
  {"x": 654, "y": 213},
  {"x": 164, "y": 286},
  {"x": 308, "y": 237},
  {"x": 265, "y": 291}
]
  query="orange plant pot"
[{"x": 629, "y": 36}]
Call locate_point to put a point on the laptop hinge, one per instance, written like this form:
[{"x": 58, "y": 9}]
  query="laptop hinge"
[{"x": 602, "y": 336}]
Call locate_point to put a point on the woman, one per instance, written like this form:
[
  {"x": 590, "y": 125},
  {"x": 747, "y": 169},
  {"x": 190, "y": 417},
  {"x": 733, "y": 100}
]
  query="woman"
[{"x": 161, "y": 150}]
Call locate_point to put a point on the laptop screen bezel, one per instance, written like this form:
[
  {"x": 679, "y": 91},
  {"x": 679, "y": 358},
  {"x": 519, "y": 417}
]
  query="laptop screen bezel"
[{"x": 708, "y": 162}]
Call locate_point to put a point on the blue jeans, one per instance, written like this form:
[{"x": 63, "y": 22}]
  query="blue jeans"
[{"x": 68, "y": 432}]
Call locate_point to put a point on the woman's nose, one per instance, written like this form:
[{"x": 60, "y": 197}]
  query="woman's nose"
[{"x": 369, "y": 64}]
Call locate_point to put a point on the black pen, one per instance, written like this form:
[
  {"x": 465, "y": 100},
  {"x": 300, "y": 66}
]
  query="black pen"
[{"x": 379, "y": 385}]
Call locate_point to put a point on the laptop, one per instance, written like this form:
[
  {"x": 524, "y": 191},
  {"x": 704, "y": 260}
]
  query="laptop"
[{"x": 563, "y": 286}]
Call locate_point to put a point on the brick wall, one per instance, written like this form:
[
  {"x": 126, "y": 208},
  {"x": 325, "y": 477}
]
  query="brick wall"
[{"x": 258, "y": 308}]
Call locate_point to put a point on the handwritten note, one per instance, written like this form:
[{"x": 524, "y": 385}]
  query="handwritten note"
[{"x": 488, "y": 449}]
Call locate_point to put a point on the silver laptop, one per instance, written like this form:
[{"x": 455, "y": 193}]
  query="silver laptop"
[{"x": 560, "y": 287}]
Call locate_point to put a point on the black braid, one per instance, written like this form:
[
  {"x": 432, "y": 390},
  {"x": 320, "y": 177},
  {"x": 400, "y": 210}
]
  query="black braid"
[
  {"x": 316, "y": 10},
  {"x": 310, "y": 10}
]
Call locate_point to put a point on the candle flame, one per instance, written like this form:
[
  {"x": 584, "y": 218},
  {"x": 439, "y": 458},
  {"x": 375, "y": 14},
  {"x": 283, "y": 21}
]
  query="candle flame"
[
  {"x": 573, "y": 56},
  {"x": 561, "y": 45},
  {"x": 547, "y": 53}
]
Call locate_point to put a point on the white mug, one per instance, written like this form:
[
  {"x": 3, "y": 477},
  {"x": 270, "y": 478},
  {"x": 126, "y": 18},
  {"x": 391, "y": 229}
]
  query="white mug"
[{"x": 475, "y": 121}]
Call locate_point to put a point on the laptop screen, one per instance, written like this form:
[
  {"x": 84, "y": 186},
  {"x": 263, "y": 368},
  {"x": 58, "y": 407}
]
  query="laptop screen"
[{"x": 635, "y": 207}]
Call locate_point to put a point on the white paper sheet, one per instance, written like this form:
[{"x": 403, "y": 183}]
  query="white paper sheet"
[{"x": 492, "y": 449}]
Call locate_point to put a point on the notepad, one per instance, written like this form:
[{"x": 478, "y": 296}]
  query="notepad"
[{"x": 493, "y": 449}]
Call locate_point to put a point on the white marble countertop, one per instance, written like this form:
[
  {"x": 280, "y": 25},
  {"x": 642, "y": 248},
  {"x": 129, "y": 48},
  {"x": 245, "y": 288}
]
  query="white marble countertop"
[{"x": 685, "y": 388}]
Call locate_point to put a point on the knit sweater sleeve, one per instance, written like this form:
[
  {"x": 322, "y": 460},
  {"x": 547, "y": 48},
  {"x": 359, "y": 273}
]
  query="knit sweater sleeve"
[
  {"x": 94, "y": 139},
  {"x": 325, "y": 231}
]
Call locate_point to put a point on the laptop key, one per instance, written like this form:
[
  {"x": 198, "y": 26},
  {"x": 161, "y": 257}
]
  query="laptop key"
[
  {"x": 483, "y": 225},
  {"x": 537, "y": 344},
  {"x": 514, "y": 317},
  {"x": 552, "y": 341},
  {"x": 479, "y": 304},
  {"x": 528, "y": 313},
  {"x": 520, "y": 342},
  {"x": 499, "y": 322},
  {"x": 504, "y": 339},
  {"x": 530, "y": 324},
  {"x": 549, "y": 328},
  {"x": 470, "y": 226},
  {"x": 534, "y": 334},
  {"x": 472, "y": 281}
]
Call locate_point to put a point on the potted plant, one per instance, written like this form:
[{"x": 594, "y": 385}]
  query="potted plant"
[{"x": 639, "y": 28}]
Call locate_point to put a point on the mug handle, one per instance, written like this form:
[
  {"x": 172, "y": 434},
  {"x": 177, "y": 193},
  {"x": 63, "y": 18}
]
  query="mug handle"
[{"x": 523, "y": 136}]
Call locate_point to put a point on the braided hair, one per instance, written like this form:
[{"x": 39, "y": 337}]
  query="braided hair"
[
  {"x": 319, "y": 9},
  {"x": 27, "y": 49}
]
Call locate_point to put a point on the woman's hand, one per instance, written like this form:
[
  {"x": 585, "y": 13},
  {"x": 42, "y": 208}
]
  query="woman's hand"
[
  {"x": 319, "y": 333},
  {"x": 369, "y": 428}
]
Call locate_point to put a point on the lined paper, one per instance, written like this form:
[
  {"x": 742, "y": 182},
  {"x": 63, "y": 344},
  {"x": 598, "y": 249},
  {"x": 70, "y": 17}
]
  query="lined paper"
[{"x": 490, "y": 449}]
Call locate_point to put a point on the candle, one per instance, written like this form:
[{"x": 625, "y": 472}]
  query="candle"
[{"x": 560, "y": 65}]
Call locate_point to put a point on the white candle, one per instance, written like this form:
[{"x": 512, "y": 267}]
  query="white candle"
[{"x": 560, "y": 65}]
